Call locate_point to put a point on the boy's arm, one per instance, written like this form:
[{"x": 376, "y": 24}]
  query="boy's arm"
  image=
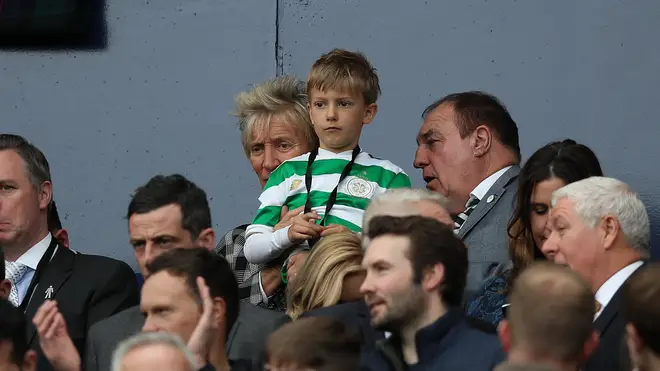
[{"x": 262, "y": 243}]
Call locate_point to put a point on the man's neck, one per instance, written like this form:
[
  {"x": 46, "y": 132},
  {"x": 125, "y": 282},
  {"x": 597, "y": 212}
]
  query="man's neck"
[
  {"x": 522, "y": 357},
  {"x": 218, "y": 357},
  {"x": 434, "y": 311},
  {"x": 618, "y": 259},
  {"x": 15, "y": 251}
]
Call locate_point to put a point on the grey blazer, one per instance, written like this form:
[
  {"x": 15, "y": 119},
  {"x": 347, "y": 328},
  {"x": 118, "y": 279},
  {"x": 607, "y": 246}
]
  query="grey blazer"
[
  {"x": 246, "y": 339},
  {"x": 485, "y": 230}
]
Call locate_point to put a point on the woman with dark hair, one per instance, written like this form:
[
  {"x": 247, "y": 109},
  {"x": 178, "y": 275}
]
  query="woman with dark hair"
[{"x": 548, "y": 169}]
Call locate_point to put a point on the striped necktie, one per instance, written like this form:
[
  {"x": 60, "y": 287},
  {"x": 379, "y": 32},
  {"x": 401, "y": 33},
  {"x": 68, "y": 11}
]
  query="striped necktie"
[
  {"x": 460, "y": 219},
  {"x": 14, "y": 272}
]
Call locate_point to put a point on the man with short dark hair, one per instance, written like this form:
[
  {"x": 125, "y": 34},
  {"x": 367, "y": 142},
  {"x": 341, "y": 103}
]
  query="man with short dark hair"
[
  {"x": 89, "y": 288},
  {"x": 314, "y": 343},
  {"x": 172, "y": 302},
  {"x": 169, "y": 212},
  {"x": 15, "y": 354},
  {"x": 468, "y": 150},
  {"x": 416, "y": 273},
  {"x": 640, "y": 306},
  {"x": 558, "y": 335}
]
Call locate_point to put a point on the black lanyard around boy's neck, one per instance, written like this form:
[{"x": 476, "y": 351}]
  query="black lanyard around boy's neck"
[{"x": 333, "y": 195}]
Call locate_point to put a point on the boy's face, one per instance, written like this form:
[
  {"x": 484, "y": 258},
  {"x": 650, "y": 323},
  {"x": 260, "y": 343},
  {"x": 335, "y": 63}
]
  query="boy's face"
[{"x": 338, "y": 118}]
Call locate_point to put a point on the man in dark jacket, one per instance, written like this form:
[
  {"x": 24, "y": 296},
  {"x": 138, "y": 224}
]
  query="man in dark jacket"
[{"x": 416, "y": 274}]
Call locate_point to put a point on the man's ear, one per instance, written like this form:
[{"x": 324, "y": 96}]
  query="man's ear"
[
  {"x": 433, "y": 277},
  {"x": 610, "y": 230},
  {"x": 30, "y": 361},
  {"x": 482, "y": 140},
  {"x": 62, "y": 236},
  {"x": 504, "y": 332},
  {"x": 220, "y": 312},
  {"x": 206, "y": 239},
  {"x": 370, "y": 113},
  {"x": 5, "y": 289},
  {"x": 45, "y": 195}
]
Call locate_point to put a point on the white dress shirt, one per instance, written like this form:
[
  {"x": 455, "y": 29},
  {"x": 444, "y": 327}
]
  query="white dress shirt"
[
  {"x": 611, "y": 286},
  {"x": 31, "y": 259},
  {"x": 482, "y": 189}
]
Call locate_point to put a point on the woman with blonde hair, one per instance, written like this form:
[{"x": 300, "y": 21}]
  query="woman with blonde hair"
[{"x": 332, "y": 274}]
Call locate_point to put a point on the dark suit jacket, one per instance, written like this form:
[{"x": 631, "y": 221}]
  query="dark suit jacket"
[
  {"x": 485, "y": 230},
  {"x": 356, "y": 316},
  {"x": 245, "y": 341},
  {"x": 611, "y": 326},
  {"x": 87, "y": 289}
]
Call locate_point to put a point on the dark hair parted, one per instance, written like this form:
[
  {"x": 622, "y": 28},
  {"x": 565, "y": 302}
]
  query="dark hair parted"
[
  {"x": 476, "y": 108},
  {"x": 565, "y": 160},
  {"x": 36, "y": 164},
  {"x": 431, "y": 243},
  {"x": 640, "y": 304},
  {"x": 174, "y": 189},
  {"x": 190, "y": 263}
]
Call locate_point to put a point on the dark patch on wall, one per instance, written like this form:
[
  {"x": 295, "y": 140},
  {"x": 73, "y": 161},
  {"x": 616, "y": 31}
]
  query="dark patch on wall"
[{"x": 53, "y": 25}]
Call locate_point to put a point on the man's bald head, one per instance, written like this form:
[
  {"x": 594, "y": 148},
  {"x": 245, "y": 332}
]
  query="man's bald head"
[
  {"x": 402, "y": 202},
  {"x": 551, "y": 314}
]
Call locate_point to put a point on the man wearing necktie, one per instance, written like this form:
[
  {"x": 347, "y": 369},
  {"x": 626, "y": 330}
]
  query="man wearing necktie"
[
  {"x": 87, "y": 288},
  {"x": 600, "y": 229},
  {"x": 469, "y": 151}
]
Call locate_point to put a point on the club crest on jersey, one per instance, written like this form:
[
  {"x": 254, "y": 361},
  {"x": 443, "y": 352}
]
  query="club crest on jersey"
[
  {"x": 295, "y": 184},
  {"x": 358, "y": 187}
]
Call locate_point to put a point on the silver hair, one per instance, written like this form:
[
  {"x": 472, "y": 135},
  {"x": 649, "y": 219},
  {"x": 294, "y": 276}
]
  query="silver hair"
[
  {"x": 151, "y": 338},
  {"x": 400, "y": 202},
  {"x": 283, "y": 95},
  {"x": 597, "y": 197}
]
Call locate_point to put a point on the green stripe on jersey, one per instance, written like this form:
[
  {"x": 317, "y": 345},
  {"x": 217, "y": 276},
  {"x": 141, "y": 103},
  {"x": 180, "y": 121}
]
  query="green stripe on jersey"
[
  {"x": 319, "y": 198},
  {"x": 269, "y": 216},
  {"x": 374, "y": 173}
]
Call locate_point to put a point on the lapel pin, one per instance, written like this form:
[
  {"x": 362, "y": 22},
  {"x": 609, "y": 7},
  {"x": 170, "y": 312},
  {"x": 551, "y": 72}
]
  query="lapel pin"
[
  {"x": 490, "y": 199},
  {"x": 49, "y": 292}
]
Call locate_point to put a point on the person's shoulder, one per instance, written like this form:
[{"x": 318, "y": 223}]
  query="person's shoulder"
[
  {"x": 253, "y": 312},
  {"x": 351, "y": 308},
  {"x": 102, "y": 265},
  {"x": 130, "y": 317},
  {"x": 367, "y": 159}
]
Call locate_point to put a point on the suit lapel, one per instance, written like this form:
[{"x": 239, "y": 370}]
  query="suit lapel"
[
  {"x": 55, "y": 274},
  {"x": 494, "y": 194}
]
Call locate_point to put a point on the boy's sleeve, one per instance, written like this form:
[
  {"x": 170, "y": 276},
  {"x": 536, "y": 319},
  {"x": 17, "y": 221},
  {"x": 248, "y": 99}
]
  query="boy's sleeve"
[
  {"x": 400, "y": 180},
  {"x": 262, "y": 244}
]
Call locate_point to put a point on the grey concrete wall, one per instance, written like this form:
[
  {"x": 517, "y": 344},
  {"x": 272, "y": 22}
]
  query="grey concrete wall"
[{"x": 158, "y": 99}]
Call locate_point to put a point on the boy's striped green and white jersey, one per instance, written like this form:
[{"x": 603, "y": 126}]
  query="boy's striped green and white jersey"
[{"x": 369, "y": 177}]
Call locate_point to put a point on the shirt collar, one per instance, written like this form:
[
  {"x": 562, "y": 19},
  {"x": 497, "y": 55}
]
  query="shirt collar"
[
  {"x": 482, "y": 189},
  {"x": 323, "y": 154},
  {"x": 32, "y": 257},
  {"x": 612, "y": 285}
]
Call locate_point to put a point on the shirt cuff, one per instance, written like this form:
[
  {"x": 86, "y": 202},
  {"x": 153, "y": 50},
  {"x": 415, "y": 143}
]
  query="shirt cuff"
[{"x": 263, "y": 292}]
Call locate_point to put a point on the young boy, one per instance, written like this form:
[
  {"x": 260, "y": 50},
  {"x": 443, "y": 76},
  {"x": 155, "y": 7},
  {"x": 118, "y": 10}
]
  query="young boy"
[{"x": 335, "y": 182}]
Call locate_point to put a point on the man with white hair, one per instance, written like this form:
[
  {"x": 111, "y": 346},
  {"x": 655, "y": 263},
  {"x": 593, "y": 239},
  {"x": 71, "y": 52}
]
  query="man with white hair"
[
  {"x": 395, "y": 202},
  {"x": 153, "y": 351},
  {"x": 600, "y": 229}
]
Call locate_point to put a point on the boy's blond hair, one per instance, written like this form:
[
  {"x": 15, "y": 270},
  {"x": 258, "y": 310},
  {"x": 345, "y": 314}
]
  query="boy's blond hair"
[{"x": 342, "y": 70}]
